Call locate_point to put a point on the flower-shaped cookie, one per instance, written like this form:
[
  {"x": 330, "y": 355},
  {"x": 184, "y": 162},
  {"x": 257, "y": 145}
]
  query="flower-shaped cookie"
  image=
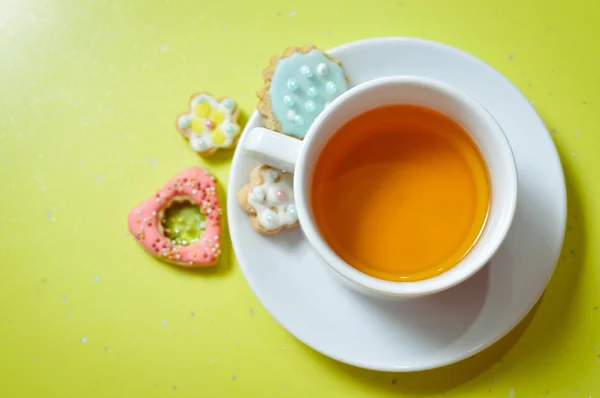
[
  {"x": 210, "y": 124},
  {"x": 181, "y": 223},
  {"x": 269, "y": 200},
  {"x": 299, "y": 85}
]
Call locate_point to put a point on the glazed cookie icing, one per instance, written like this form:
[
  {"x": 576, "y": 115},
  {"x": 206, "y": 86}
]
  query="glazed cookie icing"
[
  {"x": 209, "y": 123},
  {"x": 302, "y": 86},
  {"x": 197, "y": 186},
  {"x": 273, "y": 200}
]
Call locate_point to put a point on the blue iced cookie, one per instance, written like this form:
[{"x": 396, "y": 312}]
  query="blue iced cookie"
[{"x": 298, "y": 86}]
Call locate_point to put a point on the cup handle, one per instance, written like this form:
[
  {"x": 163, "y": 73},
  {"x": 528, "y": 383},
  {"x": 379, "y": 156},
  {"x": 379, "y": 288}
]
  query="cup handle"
[{"x": 271, "y": 148}]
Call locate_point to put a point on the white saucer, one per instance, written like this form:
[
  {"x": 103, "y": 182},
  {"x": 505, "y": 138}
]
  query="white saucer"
[{"x": 295, "y": 286}]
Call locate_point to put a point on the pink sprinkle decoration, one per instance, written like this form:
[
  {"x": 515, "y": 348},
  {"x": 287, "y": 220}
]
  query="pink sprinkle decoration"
[
  {"x": 280, "y": 196},
  {"x": 209, "y": 124}
]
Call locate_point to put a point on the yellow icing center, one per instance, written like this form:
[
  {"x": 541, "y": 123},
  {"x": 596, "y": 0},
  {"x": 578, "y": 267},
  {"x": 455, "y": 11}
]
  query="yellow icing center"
[
  {"x": 197, "y": 125},
  {"x": 217, "y": 136},
  {"x": 217, "y": 116},
  {"x": 202, "y": 110}
]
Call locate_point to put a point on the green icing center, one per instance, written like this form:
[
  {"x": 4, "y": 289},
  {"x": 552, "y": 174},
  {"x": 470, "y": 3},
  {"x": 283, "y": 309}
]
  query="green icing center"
[{"x": 183, "y": 222}]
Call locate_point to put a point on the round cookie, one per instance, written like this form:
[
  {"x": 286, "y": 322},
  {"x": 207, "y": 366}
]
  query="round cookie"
[
  {"x": 209, "y": 124},
  {"x": 269, "y": 200},
  {"x": 298, "y": 86},
  {"x": 181, "y": 223}
]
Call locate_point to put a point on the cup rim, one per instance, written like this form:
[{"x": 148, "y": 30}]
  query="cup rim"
[{"x": 400, "y": 288}]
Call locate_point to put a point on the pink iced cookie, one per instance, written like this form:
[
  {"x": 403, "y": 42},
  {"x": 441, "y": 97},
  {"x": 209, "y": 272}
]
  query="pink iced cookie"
[{"x": 181, "y": 223}]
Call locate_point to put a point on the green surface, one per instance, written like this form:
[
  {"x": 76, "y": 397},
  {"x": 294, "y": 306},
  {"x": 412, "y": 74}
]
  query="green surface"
[{"x": 90, "y": 93}]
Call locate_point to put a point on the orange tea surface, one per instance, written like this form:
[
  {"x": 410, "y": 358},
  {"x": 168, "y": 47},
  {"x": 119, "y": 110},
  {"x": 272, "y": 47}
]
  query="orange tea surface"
[{"x": 401, "y": 193}]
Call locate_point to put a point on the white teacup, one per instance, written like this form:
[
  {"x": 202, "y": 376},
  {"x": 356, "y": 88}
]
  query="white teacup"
[{"x": 300, "y": 157}]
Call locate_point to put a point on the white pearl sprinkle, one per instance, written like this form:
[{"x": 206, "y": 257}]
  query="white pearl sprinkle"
[
  {"x": 310, "y": 106},
  {"x": 322, "y": 69},
  {"x": 292, "y": 84},
  {"x": 331, "y": 87},
  {"x": 305, "y": 70},
  {"x": 291, "y": 114},
  {"x": 288, "y": 100},
  {"x": 184, "y": 122}
]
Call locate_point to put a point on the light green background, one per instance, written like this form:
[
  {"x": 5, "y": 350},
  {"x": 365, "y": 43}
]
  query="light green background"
[{"x": 88, "y": 97}]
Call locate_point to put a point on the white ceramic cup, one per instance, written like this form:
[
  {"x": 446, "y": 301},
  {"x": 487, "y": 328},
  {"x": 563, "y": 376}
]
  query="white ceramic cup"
[{"x": 300, "y": 157}]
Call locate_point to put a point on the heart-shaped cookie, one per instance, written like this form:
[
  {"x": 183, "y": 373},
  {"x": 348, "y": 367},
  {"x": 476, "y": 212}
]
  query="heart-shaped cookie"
[{"x": 181, "y": 223}]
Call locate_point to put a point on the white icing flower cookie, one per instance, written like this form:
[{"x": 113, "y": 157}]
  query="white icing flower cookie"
[
  {"x": 269, "y": 200},
  {"x": 210, "y": 124}
]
